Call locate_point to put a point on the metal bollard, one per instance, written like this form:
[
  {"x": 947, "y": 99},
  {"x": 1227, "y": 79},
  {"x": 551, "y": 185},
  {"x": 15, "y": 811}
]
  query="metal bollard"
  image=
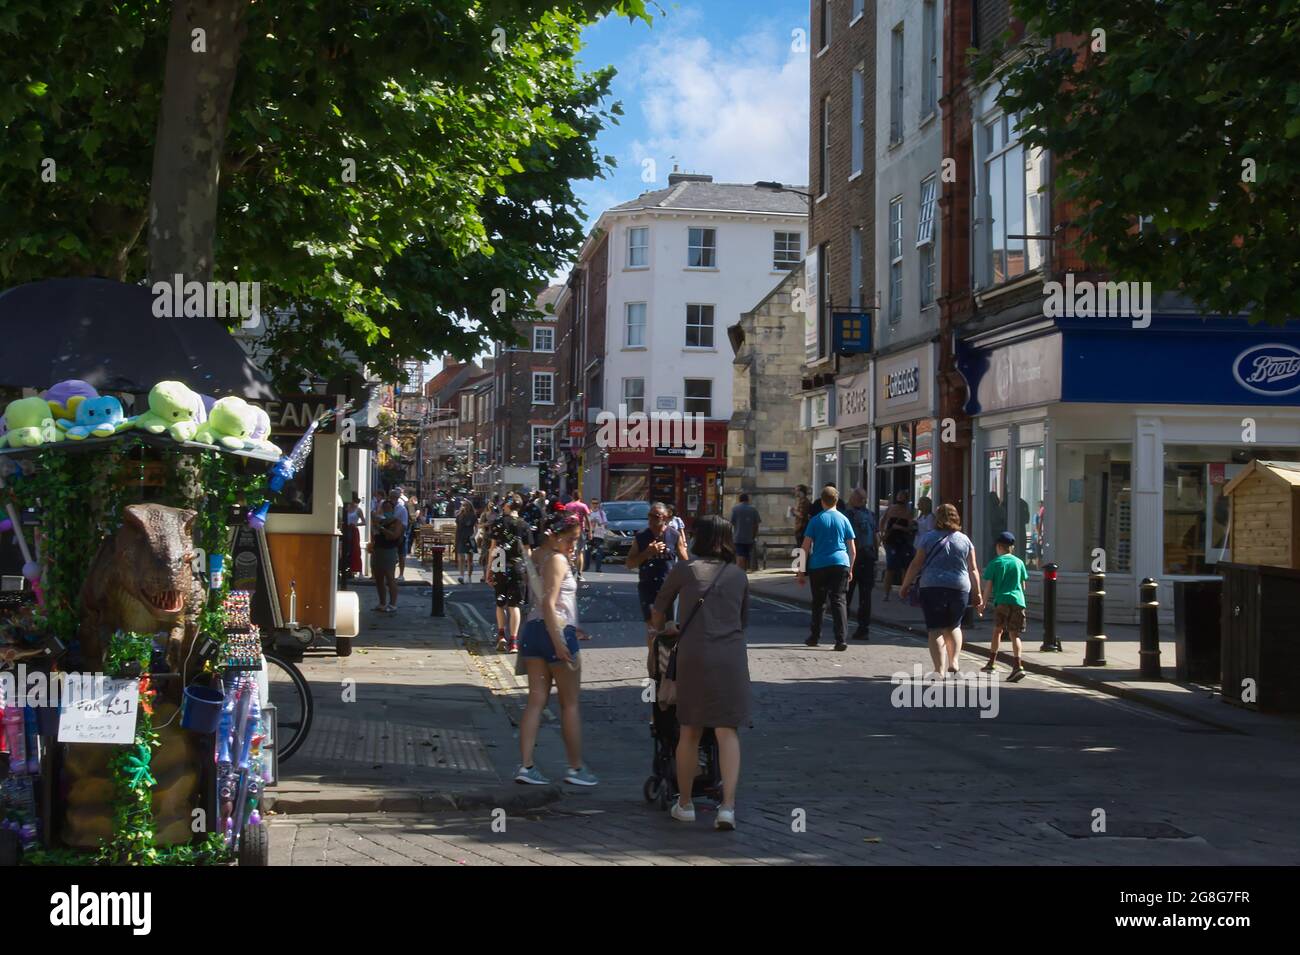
[
  {"x": 1094, "y": 651},
  {"x": 1051, "y": 642},
  {"x": 1149, "y": 624},
  {"x": 438, "y": 603}
]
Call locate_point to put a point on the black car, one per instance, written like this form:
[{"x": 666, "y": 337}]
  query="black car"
[{"x": 625, "y": 519}]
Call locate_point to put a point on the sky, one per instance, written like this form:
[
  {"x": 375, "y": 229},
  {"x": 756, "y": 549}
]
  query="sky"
[{"x": 714, "y": 86}]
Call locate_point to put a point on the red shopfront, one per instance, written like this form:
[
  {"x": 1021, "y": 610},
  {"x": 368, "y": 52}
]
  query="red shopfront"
[{"x": 693, "y": 485}]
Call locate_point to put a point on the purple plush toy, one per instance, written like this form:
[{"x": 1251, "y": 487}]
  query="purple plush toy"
[{"x": 61, "y": 397}]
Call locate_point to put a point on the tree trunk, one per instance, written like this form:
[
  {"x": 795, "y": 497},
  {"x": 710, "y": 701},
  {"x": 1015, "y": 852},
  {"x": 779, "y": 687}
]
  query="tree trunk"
[{"x": 191, "y": 135}]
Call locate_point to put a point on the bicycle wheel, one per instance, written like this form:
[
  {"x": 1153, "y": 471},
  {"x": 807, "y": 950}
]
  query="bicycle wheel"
[{"x": 291, "y": 697}]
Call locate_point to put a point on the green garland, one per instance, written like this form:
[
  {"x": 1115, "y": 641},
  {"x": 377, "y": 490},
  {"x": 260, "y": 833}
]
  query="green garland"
[{"x": 132, "y": 842}]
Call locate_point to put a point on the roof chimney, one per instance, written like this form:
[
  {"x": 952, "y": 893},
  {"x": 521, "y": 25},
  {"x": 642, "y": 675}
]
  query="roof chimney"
[{"x": 675, "y": 177}]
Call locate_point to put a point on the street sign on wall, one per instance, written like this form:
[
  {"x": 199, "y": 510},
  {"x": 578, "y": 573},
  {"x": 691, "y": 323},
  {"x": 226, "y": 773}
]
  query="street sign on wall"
[{"x": 774, "y": 460}]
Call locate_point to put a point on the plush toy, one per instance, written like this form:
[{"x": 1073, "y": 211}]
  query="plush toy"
[
  {"x": 64, "y": 397},
  {"x": 230, "y": 424},
  {"x": 171, "y": 410},
  {"x": 29, "y": 424},
  {"x": 96, "y": 418}
]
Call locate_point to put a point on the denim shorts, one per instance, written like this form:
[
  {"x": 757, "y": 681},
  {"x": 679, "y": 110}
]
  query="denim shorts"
[
  {"x": 943, "y": 607},
  {"x": 535, "y": 641}
]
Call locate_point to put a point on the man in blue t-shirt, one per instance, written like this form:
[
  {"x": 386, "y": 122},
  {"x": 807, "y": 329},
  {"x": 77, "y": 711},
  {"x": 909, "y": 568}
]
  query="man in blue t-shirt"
[{"x": 829, "y": 552}]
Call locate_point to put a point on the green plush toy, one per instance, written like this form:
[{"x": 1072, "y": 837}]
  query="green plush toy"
[
  {"x": 230, "y": 424},
  {"x": 29, "y": 424},
  {"x": 172, "y": 408}
]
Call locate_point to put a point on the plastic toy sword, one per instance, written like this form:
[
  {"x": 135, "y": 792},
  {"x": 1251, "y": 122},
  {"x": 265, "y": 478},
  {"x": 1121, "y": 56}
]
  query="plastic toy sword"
[{"x": 283, "y": 471}]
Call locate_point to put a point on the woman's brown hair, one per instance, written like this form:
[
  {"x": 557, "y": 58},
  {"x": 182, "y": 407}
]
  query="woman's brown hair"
[{"x": 946, "y": 518}]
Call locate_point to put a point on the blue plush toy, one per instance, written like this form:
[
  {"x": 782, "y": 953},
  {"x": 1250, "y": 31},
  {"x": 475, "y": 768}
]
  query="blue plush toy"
[{"x": 96, "y": 418}]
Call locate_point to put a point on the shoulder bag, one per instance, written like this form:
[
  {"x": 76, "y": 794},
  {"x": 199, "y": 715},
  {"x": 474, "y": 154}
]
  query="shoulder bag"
[{"x": 667, "y": 693}]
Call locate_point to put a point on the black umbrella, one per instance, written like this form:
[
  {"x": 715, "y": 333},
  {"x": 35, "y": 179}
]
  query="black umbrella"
[{"x": 105, "y": 334}]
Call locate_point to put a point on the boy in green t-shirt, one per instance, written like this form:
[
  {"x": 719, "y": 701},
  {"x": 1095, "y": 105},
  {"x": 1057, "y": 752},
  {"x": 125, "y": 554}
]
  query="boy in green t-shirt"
[{"x": 1004, "y": 590}]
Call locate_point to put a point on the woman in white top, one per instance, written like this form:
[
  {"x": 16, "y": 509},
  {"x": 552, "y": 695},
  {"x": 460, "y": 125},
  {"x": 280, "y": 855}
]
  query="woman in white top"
[{"x": 548, "y": 647}]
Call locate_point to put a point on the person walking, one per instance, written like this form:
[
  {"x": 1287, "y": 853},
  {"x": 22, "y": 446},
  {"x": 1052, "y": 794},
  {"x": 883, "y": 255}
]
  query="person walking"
[
  {"x": 466, "y": 521},
  {"x": 798, "y": 512},
  {"x": 829, "y": 552},
  {"x": 944, "y": 569},
  {"x": 652, "y": 558},
  {"x": 353, "y": 521},
  {"x": 675, "y": 532},
  {"x": 866, "y": 541},
  {"x": 897, "y": 530},
  {"x": 745, "y": 520},
  {"x": 599, "y": 522},
  {"x": 549, "y": 650},
  {"x": 712, "y": 662},
  {"x": 400, "y": 511},
  {"x": 384, "y": 557},
  {"x": 815, "y": 507},
  {"x": 1004, "y": 587},
  {"x": 924, "y": 517},
  {"x": 506, "y": 574},
  {"x": 583, "y": 513}
]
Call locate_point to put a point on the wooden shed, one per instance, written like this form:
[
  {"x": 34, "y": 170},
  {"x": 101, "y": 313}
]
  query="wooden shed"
[{"x": 1266, "y": 514}]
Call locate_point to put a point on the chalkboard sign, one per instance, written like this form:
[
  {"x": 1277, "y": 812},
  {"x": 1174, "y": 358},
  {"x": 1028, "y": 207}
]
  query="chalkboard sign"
[{"x": 248, "y": 570}]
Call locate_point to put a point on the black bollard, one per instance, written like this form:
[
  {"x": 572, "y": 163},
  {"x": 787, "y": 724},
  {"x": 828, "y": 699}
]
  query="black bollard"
[
  {"x": 1149, "y": 624},
  {"x": 1094, "y": 651},
  {"x": 438, "y": 603},
  {"x": 1051, "y": 642}
]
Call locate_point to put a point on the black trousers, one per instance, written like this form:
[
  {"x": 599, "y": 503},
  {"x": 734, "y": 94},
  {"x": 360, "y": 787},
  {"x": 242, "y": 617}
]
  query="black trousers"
[
  {"x": 864, "y": 579},
  {"x": 828, "y": 584}
]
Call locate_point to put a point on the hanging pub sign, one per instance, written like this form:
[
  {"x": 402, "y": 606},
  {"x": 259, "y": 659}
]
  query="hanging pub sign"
[{"x": 851, "y": 333}]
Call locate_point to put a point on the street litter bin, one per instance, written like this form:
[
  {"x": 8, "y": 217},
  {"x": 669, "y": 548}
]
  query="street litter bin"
[{"x": 1198, "y": 648}]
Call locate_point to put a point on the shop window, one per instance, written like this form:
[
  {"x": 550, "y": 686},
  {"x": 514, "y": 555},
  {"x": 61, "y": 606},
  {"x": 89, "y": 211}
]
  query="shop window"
[
  {"x": 824, "y": 472},
  {"x": 995, "y": 501},
  {"x": 1031, "y": 506},
  {"x": 1195, "y": 508},
  {"x": 923, "y": 462},
  {"x": 1093, "y": 492},
  {"x": 628, "y": 483},
  {"x": 852, "y": 461}
]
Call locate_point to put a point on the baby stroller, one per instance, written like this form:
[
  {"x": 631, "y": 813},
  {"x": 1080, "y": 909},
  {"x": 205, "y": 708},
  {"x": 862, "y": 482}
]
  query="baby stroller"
[{"x": 661, "y": 786}]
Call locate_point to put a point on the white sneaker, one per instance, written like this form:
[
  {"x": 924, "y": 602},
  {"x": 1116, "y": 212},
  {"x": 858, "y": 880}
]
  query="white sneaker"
[
  {"x": 682, "y": 815},
  {"x": 726, "y": 820}
]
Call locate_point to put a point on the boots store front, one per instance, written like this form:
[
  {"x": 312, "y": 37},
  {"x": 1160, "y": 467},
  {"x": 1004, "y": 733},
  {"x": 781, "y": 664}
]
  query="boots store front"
[{"x": 1100, "y": 444}]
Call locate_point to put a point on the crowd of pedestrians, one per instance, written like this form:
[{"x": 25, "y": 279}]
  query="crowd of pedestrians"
[{"x": 693, "y": 588}]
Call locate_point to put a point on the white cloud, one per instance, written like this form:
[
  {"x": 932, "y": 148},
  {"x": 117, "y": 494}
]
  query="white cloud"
[{"x": 737, "y": 110}]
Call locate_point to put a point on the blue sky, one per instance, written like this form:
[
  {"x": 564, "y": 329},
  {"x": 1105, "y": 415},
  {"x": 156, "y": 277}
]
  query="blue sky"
[{"x": 715, "y": 85}]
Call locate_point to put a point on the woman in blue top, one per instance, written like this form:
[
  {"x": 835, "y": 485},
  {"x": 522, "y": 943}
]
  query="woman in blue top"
[{"x": 949, "y": 580}]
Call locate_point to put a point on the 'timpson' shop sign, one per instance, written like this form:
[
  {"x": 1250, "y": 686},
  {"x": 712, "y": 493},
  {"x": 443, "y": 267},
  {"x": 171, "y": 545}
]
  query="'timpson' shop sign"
[{"x": 1272, "y": 370}]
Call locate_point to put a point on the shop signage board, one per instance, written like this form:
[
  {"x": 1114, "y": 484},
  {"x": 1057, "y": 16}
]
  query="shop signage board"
[
  {"x": 853, "y": 400},
  {"x": 774, "y": 460},
  {"x": 104, "y": 715},
  {"x": 852, "y": 332},
  {"x": 812, "y": 296},
  {"x": 904, "y": 385},
  {"x": 577, "y": 429}
]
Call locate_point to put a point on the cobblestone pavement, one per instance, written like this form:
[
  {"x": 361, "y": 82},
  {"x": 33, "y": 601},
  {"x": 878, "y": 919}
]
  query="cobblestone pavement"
[{"x": 833, "y": 772}]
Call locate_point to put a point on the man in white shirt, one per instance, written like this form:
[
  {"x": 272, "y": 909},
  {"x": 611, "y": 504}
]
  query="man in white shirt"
[
  {"x": 599, "y": 527},
  {"x": 399, "y": 509}
]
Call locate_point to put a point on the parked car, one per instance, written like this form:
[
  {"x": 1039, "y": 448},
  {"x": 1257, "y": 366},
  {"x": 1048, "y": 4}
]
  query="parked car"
[{"x": 625, "y": 518}]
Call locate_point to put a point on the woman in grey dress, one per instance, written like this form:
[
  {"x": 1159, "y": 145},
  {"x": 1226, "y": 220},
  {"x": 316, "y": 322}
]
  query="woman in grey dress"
[{"x": 712, "y": 665}]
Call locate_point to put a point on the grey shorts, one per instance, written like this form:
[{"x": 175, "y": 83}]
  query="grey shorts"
[{"x": 384, "y": 560}]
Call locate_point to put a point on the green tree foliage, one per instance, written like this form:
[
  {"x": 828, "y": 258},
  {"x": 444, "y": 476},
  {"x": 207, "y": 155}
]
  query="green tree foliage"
[
  {"x": 387, "y": 166},
  {"x": 1191, "y": 116}
]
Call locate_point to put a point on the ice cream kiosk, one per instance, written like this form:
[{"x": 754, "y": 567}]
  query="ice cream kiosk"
[{"x": 292, "y": 564}]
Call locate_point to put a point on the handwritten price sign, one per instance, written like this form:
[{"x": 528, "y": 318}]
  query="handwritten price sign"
[{"x": 104, "y": 714}]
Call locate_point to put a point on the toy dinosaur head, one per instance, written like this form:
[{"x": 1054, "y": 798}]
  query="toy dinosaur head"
[
  {"x": 154, "y": 549},
  {"x": 173, "y": 402},
  {"x": 231, "y": 416}
]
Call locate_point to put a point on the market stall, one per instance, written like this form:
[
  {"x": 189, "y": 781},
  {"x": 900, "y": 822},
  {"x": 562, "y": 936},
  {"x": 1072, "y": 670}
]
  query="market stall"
[{"x": 136, "y": 725}]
